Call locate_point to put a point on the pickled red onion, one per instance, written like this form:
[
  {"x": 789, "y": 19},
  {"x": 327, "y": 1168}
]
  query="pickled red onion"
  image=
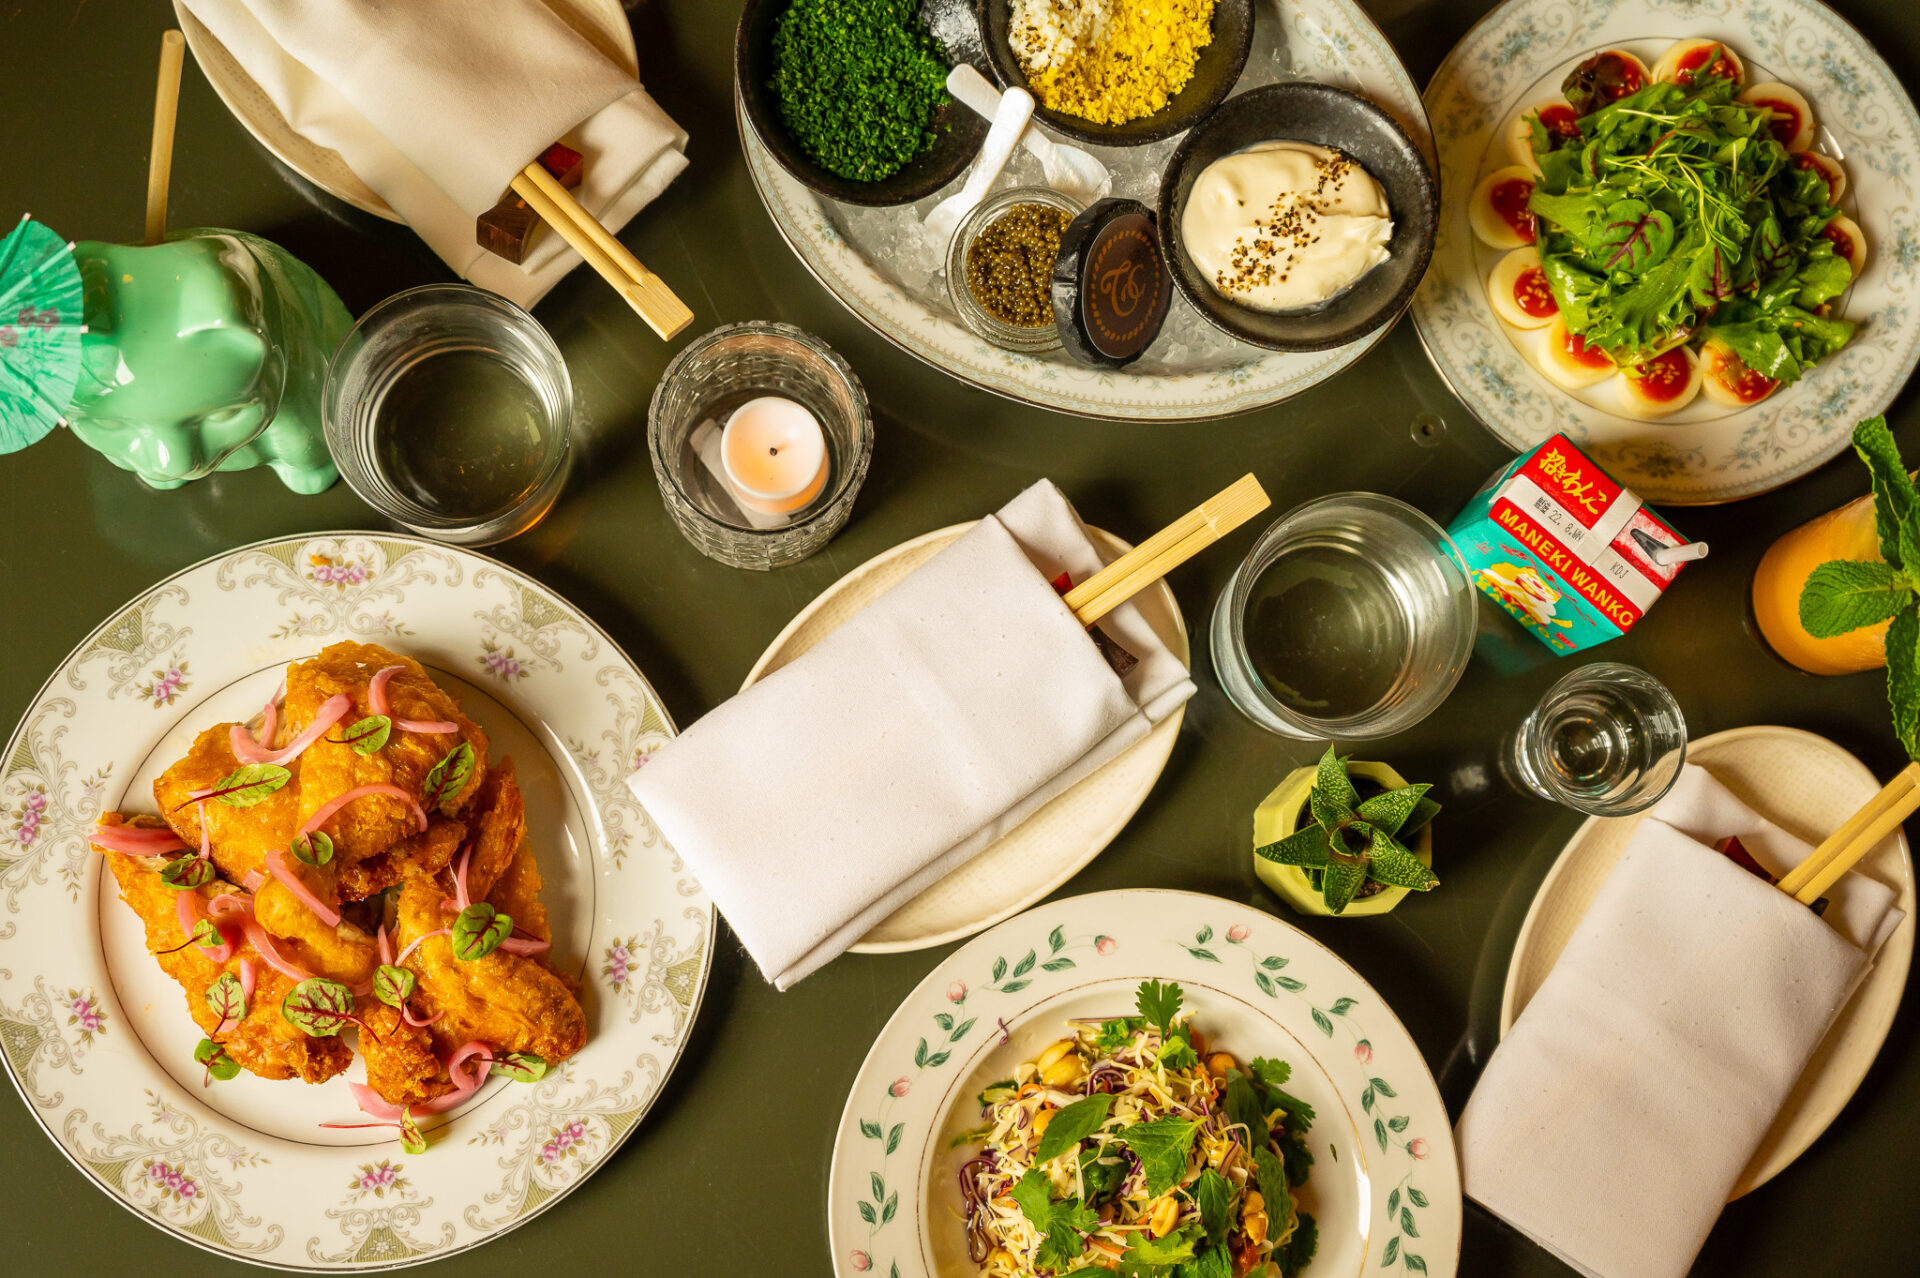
[
  {"x": 243, "y": 742},
  {"x": 137, "y": 840},
  {"x": 248, "y": 750},
  {"x": 246, "y": 977},
  {"x": 525, "y": 945},
  {"x": 186, "y": 908},
  {"x": 263, "y": 945},
  {"x": 460, "y": 880},
  {"x": 333, "y": 805},
  {"x": 382, "y": 945},
  {"x": 406, "y": 1014},
  {"x": 252, "y": 880},
  {"x": 278, "y": 867},
  {"x": 372, "y": 1104},
  {"x": 377, "y": 703}
]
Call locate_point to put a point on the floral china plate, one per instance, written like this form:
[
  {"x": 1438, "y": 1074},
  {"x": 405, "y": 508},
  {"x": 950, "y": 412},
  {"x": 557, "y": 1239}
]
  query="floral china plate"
[
  {"x": 1517, "y": 56},
  {"x": 97, "y": 1039},
  {"x": 1807, "y": 785},
  {"x": 1053, "y": 844},
  {"x": 1385, "y": 1186}
]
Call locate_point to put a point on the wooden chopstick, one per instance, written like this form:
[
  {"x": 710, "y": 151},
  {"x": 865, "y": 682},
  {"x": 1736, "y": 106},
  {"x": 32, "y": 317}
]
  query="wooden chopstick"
[
  {"x": 166, "y": 110},
  {"x": 646, "y": 292},
  {"x": 1858, "y": 835},
  {"x": 1166, "y": 550}
]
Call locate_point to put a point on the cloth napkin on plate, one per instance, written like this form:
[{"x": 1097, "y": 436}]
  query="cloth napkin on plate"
[
  {"x": 942, "y": 715},
  {"x": 1614, "y": 1119},
  {"x": 436, "y": 104}
]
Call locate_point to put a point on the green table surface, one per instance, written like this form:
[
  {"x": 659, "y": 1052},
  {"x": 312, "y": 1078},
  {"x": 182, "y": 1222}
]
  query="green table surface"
[{"x": 728, "y": 1174}]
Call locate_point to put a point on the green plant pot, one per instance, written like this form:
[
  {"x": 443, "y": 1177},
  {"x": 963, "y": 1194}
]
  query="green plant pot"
[{"x": 1283, "y": 811}]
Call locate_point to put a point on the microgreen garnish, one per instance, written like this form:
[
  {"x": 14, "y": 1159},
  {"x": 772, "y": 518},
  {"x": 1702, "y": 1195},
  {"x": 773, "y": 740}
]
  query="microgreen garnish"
[
  {"x": 245, "y": 786},
  {"x": 367, "y": 736},
  {"x": 393, "y": 985},
  {"x": 315, "y": 849},
  {"x": 447, "y": 778},
  {"x": 185, "y": 873},
  {"x": 412, "y": 1139},
  {"x": 204, "y": 934},
  {"x": 478, "y": 931},
  {"x": 226, "y": 999},
  {"x": 521, "y": 1067},
  {"x": 1064, "y": 1224},
  {"x": 319, "y": 1007},
  {"x": 219, "y": 1062}
]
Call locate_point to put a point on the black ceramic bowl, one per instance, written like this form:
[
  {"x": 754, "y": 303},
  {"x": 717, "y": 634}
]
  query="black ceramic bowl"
[
  {"x": 1301, "y": 111},
  {"x": 1214, "y": 76},
  {"x": 960, "y": 131}
]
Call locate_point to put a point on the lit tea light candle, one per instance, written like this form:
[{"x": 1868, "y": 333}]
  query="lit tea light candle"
[{"x": 774, "y": 454}]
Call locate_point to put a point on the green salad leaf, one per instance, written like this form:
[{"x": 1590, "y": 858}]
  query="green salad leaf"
[
  {"x": 1162, "y": 1147},
  {"x": 1064, "y": 1223},
  {"x": 1071, "y": 1125}
]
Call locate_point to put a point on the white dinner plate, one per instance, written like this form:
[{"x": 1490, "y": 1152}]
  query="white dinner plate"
[
  {"x": 1053, "y": 844},
  {"x": 1385, "y": 1187},
  {"x": 872, "y": 260},
  {"x": 1518, "y": 55},
  {"x": 99, "y": 1041},
  {"x": 1807, "y": 786},
  {"x": 602, "y": 23}
]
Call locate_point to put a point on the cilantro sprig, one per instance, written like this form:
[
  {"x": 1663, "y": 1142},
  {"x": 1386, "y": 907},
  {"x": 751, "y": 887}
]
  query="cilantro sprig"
[{"x": 1064, "y": 1223}]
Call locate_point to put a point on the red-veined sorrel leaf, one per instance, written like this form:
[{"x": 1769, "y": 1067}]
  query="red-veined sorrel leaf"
[
  {"x": 319, "y": 1007},
  {"x": 412, "y": 1139},
  {"x": 187, "y": 873},
  {"x": 245, "y": 786},
  {"x": 393, "y": 985},
  {"x": 522, "y": 1067},
  {"x": 315, "y": 849},
  {"x": 219, "y": 1062},
  {"x": 449, "y": 777},
  {"x": 367, "y": 736},
  {"x": 478, "y": 931},
  {"x": 1635, "y": 236}
]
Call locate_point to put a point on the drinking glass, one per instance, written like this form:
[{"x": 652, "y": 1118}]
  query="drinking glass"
[
  {"x": 1607, "y": 740},
  {"x": 1351, "y": 618},
  {"x": 448, "y": 409}
]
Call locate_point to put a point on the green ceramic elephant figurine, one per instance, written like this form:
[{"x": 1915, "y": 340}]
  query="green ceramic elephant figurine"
[{"x": 206, "y": 352}]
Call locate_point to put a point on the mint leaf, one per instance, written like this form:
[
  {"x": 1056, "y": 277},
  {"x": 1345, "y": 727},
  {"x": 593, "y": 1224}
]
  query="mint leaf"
[
  {"x": 1903, "y": 679},
  {"x": 1162, "y": 1147},
  {"x": 1894, "y": 497},
  {"x": 1844, "y": 594},
  {"x": 1062, "y": 1223},
  {"x": 1070, "y": 1126},
  {"x": 1099, "y": 1177},
  {"x": 1271, "y": 1174},
  {"x": 1173, "y": 1249},
  {"x": 1159, "y": 1004},
  {"x": 1304, "y": 847},
  {"x": 1214, "y": 1262},
  {"x": 1213, "y": 1195},
  {"x": 1298, "y": 1250},
  {"x": 1245, "y": 1109},
  {"x": 1388, "y": 812}
]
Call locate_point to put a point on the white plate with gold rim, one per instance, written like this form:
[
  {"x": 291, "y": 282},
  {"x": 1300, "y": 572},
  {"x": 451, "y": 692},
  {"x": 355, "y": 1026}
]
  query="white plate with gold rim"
[
  {"x": 1385, "y": 1185},
  {"x": 98, "y": 1040},
  {"x": 1807, "y": 785},
  {"x": 602, "y": 23},
  {"x": 1053, "y": 844}
]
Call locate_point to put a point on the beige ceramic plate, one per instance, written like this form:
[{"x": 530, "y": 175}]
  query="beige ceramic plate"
[
  {"x": 1807, "y": 785},
  {"x": 602, "y": 23},
  {"x": 1049, "y": 847}
]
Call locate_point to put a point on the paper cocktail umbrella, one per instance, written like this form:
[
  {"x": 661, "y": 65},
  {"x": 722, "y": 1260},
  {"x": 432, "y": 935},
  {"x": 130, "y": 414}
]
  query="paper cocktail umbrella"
[{"x": 40, "y": 331}]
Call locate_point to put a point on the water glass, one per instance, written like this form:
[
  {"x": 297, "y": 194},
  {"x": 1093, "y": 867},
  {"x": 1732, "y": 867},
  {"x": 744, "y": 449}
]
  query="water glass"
[
  {"x": 701, "y": 388},
  {"x": 449, "y": 410},
  {"x": 1608, "y": 740},
  {"x": 1351, "y": 618}
]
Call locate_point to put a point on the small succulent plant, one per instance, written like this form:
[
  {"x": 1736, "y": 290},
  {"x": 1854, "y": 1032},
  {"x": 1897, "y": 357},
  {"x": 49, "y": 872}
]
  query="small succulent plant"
[{"x": 1351, "y": 840}]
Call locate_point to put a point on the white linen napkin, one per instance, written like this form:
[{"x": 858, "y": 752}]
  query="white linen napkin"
[
  {"x": 1616, "y": 1116},
  {"x": 436, "y": 104},
  {"x": 942, "y": 715}
]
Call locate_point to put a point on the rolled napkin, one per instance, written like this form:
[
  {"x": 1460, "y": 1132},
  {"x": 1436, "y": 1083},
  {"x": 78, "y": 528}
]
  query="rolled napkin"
[
  {"x": 1618, "y": 1113},
  {"x": 436, "y": 104},
  {"x": 939, "y": 717}
]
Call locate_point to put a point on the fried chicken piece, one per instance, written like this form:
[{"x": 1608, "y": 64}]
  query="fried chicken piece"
[
  {"x": 241, "y": 837},
  {"x": 342, "y": 952},
  {"x": 426, "y": 853},
  {"x": 401, "y": 1064},
  {"x": 329, "y": 768},
  {"x": 263, "y": 1043}
]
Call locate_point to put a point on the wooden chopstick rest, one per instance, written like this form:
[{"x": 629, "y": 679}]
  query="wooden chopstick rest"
[
  {"x": 508, "y": 228},
  {"x": 644, "y": 291}
]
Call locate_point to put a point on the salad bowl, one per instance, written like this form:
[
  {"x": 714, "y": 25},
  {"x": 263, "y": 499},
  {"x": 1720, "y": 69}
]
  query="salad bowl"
[{"x": 1519, "y": 56}]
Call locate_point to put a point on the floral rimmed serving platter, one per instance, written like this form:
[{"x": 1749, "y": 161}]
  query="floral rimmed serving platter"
[
  {"x": 99, "y": 1042},
  {"x": 1518, "y": 55},
  {"x": 1385, "y": 1187},
  {"x": 868, "y": 259}
]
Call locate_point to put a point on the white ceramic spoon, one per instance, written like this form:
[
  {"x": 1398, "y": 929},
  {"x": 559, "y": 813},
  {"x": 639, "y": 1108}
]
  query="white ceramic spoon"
[
  {"x": 1069, "y": 170},
  {"x": 1016, "y": 108}
]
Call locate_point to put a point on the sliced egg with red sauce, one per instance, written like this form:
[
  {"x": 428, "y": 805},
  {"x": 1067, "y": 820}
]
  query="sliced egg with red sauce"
[
  {"x": 1570, "y": 362},
  {"x": 1686, "y": 59},
  {"x": 1517, "y": 287},
  {"x": 1792, "y": 122},
  {"x": 1498, "y": 210},
  {"x": 1829, "y": 168},
  {"x": 1618, "y": 71},
  {"x": 1563, "y": 126},
  {"x": 1664, "y": 384},
  {"x": 1847, "y": 241},
  {"x": 1727, "y": 381}
]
